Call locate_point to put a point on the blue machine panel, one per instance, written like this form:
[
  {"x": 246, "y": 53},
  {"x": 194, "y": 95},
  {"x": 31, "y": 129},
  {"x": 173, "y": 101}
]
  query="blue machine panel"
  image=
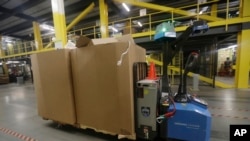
[
  {"x": 191, "y": 122},
  {"x": 165, "y": 36}
]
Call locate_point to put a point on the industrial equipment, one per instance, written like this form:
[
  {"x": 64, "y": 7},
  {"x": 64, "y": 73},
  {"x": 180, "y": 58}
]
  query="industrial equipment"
[{"x": 159, "y": 112}]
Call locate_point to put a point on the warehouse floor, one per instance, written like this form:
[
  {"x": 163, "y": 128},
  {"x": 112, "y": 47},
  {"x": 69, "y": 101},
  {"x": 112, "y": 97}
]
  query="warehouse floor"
[{"x": 19, "y": 119}]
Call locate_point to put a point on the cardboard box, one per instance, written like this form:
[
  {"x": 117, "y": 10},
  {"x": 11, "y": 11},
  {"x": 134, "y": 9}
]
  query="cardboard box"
[
  {"x": 84, "y": 41},
  {"x": 104, "y": 90},
  {"x": 53, "y": 85},
  {"x": 102, "y": 41}
]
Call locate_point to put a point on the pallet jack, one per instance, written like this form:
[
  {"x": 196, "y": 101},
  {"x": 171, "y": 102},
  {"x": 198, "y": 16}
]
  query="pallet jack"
[{"x": 159, "y": 113}]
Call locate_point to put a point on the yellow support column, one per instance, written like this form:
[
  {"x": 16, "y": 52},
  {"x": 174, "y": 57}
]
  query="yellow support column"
[
  {"x": 243, "y": 58},
  {"x": 59, "y": 23},
  {"x": 214, "y": 10},
  {"x": 37, "y": 36},
  {"x": 103, "y": 8},
  {"x": 2, "y": 53}
]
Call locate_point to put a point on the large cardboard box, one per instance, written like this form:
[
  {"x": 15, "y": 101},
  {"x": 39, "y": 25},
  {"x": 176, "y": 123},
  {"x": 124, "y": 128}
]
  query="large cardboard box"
[
  {"x": 103, "y": 89},
  {"x": 53, "y": 85}
]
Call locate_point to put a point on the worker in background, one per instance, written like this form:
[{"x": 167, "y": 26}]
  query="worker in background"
[
  {"x": 233, "y": 62},
  {"x": 228, "y": 66},
  {"x": 234, "y": 58}
]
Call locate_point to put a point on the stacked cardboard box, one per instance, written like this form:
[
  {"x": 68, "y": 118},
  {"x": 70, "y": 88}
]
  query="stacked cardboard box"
[
  {"x": 102, "y": 82},
  {"x": 53, "y": 85},
  {"x": 103, "y": 88}
]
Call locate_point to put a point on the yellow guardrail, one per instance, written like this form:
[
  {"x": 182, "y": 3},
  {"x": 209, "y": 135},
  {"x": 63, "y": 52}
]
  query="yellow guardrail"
[
  {"x": 205, "y": 79},
  {"x": 148, "y": 21},
  {"x": 202, "y": 78}
]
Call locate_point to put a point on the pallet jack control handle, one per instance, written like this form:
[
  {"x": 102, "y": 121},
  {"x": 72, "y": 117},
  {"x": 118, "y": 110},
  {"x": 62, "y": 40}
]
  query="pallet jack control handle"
[{"x": 182, "y": 95}]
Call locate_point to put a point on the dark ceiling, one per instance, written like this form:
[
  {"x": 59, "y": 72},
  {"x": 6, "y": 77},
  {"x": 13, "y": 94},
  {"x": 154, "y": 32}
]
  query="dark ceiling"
[{"x": 17, "y": 15}]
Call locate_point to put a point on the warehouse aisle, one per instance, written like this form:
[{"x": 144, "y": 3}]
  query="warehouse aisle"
[{"x": 19, "y": 119}]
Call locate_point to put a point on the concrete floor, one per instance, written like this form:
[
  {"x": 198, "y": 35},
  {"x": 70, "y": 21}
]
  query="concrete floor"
[{"x": 19, "y": 119}]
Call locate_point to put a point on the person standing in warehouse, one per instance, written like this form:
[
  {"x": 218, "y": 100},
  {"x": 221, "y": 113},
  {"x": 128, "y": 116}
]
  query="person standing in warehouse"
[{"x": 228, "y": 66}]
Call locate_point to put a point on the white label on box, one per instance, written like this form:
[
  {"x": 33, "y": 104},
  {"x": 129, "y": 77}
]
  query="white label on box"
[{"x": 58, "y": 44}]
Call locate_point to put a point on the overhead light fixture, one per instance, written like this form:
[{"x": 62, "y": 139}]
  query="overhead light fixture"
[
  {"x": 201, "y": 12},
  {"x": 232, "y": 46},
  {"x": 139, "y": 23},
  {"x": 8, "y": 41},
  {"x": 47, "y": 27},
  {"x": 12, "y": 62},
  {"x": 114, "y": 29},
  {"x": 125, "y": 6}
]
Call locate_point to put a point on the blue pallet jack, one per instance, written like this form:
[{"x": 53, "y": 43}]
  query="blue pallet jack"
[{"x": 161, "y": 114}]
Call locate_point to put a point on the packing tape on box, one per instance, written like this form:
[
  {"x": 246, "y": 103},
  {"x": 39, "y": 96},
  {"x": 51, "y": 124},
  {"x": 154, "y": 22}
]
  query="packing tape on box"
[{"x": 124, "y": 53}]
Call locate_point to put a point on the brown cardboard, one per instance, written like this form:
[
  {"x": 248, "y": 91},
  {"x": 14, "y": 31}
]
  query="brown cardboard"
[
  {"x": 102, "y": 41},
  {"x": 82, "y": 41},
  {"x": 53, "y": 85},
  {"x": 103, "y": 90}
]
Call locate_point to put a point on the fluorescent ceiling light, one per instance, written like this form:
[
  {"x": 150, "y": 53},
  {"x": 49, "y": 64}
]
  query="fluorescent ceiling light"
[
  {"x": 47, "y": 27},
  {"x": 8, "y": 41},
  {"x": 10, "y": 62},
  {"x": 114, "y": 29},
  {"x": 139, "y": 23},
  {"x": 125, "y": 6},
  {"x": 232, "y": 46}
]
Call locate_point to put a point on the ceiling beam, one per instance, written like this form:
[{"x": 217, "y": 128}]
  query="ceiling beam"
[
  {"x": 227, "y": 38},
  {"x": 15, "y": 28},
  {"x": 20, "y": 8},
  {"x": 71, "y": 9},
  {"x": 20, "y": 15}
]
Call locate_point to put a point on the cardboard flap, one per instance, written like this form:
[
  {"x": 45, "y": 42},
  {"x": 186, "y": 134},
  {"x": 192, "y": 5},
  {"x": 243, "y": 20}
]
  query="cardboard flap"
[
  {"x": 103, "y": 41},
  {"x": 126, "y": 38},
  {"x": 82, "y": 41}
]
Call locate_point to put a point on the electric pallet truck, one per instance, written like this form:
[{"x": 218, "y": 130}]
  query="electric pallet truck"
[{"x": 159, "y": 113}]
